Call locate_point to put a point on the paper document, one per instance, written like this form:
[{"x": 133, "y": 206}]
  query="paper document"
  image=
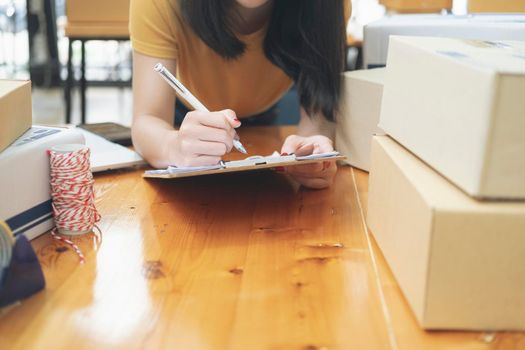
[{"x": 250, "y": 163}]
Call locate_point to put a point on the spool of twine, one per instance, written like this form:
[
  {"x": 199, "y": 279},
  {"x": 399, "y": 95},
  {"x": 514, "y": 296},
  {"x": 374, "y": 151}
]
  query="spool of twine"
[{"x": 72, "y": 192}]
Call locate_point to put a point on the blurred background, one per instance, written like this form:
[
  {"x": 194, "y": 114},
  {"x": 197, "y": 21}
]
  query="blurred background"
[{"x": 38, "y": 37}]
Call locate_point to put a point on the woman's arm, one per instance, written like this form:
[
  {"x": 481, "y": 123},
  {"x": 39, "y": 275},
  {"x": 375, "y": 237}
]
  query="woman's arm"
[
  {"x": 153, "y": 110},
  {"x": 203, "y": 138},
  {"x": 314, "y": 135}
]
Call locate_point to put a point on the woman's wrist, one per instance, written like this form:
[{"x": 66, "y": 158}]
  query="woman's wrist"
[{"x": 169, "y": 151}]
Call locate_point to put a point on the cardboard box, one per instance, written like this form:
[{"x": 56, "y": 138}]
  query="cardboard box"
[
  {"x": 476, "y": 27},
  {"x": 97, "y": 10},
  {"x": 417, "y": 6},
  {"x": 507, "y": 6},
  {"x": 15, "y": 110},
  {"x": 459, "y": 262},
  {"x": 459, "y": 105},
  {"x": 24, "y": 179},
  {"x": 359, "y": 115}
]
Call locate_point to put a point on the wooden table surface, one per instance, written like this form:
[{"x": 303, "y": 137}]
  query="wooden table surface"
[{"x": 236, "y": 261}]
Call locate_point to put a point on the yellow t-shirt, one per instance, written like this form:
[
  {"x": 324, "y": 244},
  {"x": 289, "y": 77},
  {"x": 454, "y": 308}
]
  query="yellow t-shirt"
[{"x": 248, "y": 85}]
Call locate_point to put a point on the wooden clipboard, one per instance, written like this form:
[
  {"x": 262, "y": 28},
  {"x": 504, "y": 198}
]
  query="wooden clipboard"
[{"x": 248, "y": 164}]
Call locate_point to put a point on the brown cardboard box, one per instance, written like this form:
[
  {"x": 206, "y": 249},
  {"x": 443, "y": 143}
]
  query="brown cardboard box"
[
  {"x": 459, "y": 105},
  {"x": 505, "y": 6},
  {"x": 459, "y": 262},
  {"x": 97, "y": 10},
  {"x": 360, "y": 110},
  {"x": 416, "y": 6},
  {"x": 15, "y": 110}
]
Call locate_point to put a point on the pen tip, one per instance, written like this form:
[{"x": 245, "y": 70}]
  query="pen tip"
[
  {"x": 158, "y": 67},
  {"x": 239, "y": 147}
]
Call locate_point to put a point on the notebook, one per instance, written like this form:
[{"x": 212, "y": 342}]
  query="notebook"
[{"x": 248, "y": 164}]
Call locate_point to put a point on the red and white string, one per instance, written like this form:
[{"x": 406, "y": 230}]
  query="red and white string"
[{"x": 72, "y": 194}]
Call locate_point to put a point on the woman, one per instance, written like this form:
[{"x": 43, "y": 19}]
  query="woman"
[{"x": 243, "y": 55}]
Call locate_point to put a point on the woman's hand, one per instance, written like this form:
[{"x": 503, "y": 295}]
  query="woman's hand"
[
  {"x": 317, "y": 175},
  {"x": 203, "y": 138}
]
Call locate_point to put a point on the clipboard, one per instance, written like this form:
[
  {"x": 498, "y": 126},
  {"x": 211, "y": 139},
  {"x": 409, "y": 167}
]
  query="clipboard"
[{"x": 248, "y": 164}]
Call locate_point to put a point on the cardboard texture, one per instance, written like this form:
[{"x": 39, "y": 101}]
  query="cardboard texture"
[
  {"x": 97, "y": 11},
  {"x": 459, "y": 262},
  {"x": 476, "y": 27},
  {"x": 97, "y": 29},
  {"x": 359, "y": 115},
  {"x": 15, "y": 110},
  {"x": 459, "y": 105},
  {"x": 506, "y": 6},
  {"x": 415, "y": 6}
]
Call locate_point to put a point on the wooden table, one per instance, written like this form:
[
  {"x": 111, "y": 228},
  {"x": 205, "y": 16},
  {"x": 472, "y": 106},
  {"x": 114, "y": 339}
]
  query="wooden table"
[{"x": 237, "y": 261}]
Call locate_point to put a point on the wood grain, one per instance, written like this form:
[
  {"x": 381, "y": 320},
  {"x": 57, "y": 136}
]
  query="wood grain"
[{"x": 234, "y": 261}]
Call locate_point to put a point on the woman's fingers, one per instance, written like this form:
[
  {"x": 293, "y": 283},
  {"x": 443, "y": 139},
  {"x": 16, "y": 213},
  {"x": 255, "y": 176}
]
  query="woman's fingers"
[
  {"x": 315, "y": 183},
  {"x": 205, "y": 148},
  {"x": 323, "y": 169},
  {"x": 292, "y": 144},
  {"x": 204, "y": 133},
  {"x": 306, "y": 170},
  {"x": 205, "y": 160},
  {"x": 305, "y": 149},
  {"x": 226, "y": 119},
  {"x": 303, "y": 146}
]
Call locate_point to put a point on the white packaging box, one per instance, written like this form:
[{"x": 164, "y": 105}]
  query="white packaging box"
[
  {"x": 460, "y": 106},
  {"x": 359, "y": 115},
  {"x": 459, "y": 262},
  {"x": 25, "y": 203},
  {"x": 478, "y": 27}
]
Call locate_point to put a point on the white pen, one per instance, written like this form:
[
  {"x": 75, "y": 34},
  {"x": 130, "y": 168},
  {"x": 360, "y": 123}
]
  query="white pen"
[{"x": 188, "y": 96}]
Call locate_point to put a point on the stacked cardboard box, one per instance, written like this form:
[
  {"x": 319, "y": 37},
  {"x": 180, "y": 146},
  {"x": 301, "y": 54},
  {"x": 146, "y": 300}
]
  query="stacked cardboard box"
[
  {"x": 416, "y": 6},
  {"x": 359, "y": 115},
  {"x": 97, "y": 18},
  {"x": 459, "y": 105},
  {"x": 80, "y": 11},
  {"x": 456, "y": 109},
  {"x": 15, "y": 110},
  {"x": 506, "y": 6}
]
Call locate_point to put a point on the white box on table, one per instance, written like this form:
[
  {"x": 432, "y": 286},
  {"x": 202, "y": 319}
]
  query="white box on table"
[
  {"x": 25, "y": 194},
  {"x": 476, "y": 27},
  {"x": 359, "y": 115}
]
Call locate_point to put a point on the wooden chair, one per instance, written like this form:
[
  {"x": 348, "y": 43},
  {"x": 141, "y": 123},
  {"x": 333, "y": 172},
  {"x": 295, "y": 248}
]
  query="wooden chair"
[{"x": 92, "y": 20}]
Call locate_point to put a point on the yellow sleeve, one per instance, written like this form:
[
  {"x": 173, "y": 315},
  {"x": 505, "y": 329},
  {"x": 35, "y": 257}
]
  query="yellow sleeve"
[{"x": 152, "y": 27}]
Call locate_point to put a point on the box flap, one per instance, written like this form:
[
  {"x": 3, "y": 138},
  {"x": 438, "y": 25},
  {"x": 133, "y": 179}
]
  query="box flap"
[
  {"x": 436, "y": 190},
  {"x": 504, "y": 57},
  {"x": 6, "y": 86}
]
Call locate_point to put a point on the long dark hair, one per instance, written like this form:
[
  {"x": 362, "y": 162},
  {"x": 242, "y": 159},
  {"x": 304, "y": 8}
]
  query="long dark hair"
[{"x": 305, "y": 38}]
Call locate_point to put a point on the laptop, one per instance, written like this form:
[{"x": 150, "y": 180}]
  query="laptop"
[{"x": 107, "y": 155}]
